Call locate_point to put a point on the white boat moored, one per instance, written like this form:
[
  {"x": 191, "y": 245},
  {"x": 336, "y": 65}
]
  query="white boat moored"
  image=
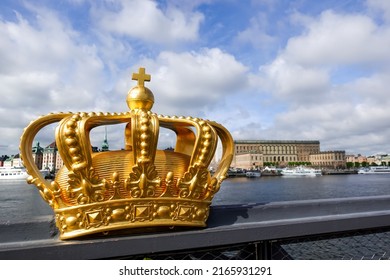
[
  {"x": 301, "y": 171},
  {"x": 13, "y": 173},
  {"x": 253, "y": 174},
  {"x": 375, "y": 170}
]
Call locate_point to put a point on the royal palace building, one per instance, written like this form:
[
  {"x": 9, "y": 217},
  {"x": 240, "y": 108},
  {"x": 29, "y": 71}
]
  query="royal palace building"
[
  {"x": 251, "y": 154},
  {"x": 329, "y": 159}
]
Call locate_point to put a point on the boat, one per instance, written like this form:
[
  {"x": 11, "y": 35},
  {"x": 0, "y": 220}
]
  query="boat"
[
  {"x": 13, "y": 173},
  {"x": 301, "y": 171},
  {"x": 375, "y": 170},
  {"x": 236, "y": 172},
  {"x": 253, "y": 174},
  {"x": 271, "y": 171}
]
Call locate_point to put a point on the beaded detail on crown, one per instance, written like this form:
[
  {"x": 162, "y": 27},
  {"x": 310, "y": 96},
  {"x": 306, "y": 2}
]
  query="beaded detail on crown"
[{"x": 137, "y": 186}]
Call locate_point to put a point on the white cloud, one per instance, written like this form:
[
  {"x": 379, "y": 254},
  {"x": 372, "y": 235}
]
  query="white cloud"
[
  {"x": 49, "y": 56},
  {"x": 350, "y": 113},
  {"x": 334, "y": 39},
  {"x": 293, "y": 82},
  {"x": 329, "y": 82},
  {"x": 256, "y": 34},
  {"x": 371, "y": 90},
  {"x": 191, "y": 81},
  {"x": 45, "y": 67},
  {"x": 381, "y": 6},
  {"x": 145, "y": 20}
]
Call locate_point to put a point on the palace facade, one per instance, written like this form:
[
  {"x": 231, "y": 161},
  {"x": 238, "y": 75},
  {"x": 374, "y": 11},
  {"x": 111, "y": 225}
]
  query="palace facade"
[
  {"x": 330, "y": 159},
  {"x": 253, "y": 154}
]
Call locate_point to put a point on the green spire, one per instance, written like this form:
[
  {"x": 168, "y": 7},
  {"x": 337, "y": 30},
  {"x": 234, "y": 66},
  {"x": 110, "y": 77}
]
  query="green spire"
[{"x": 105, "y": 146}]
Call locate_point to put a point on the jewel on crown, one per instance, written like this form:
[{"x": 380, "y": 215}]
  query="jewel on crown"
[{"x": 138, "y": 186}]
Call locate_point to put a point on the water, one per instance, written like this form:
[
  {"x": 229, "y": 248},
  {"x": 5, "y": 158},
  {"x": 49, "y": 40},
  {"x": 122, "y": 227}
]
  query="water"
[
  {"x": 20, "y": 202},
  {"x": 270, "y": 189}
]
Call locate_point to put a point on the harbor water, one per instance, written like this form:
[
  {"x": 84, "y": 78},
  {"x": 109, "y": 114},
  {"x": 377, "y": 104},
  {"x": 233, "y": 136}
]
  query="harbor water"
[
  {"x": 266, "y": 189},
  {"x": 20, "y": 202}
]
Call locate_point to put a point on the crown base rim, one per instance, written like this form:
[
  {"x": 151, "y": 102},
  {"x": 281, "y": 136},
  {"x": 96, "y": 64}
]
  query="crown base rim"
[
  {"x": 127, "y": 214},
  {"x": 124, "y": 229}
]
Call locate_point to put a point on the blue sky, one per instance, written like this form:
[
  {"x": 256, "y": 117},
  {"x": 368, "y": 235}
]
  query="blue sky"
[{"x": 265, "y": 69}]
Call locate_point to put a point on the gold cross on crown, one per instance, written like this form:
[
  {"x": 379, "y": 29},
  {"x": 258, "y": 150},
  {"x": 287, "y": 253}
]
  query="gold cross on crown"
[{"x": 141, "y": 77}]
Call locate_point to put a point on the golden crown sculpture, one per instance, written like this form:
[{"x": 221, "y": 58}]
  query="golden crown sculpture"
[{"x": 139, "y": 186}]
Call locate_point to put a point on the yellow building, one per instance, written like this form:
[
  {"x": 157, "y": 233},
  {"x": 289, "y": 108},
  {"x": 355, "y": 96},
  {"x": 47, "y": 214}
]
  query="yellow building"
[
  {"x": 330, "y": 159},
  {"x": 359, "y": 158},
  {"x": 254, "y": 153},
  {"x": 250, "y": 160}
]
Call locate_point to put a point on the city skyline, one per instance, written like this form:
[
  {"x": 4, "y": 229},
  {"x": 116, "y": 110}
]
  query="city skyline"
[
  {"x": 105, "y": 144},
  {"x": 296, "y": 70}
]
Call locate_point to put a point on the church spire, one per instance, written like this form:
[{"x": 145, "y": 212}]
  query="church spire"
[{"x": 105, "y": 146}]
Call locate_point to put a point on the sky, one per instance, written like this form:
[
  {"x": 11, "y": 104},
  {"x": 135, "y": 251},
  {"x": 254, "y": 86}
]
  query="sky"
[{"x": 264, "y": 69}]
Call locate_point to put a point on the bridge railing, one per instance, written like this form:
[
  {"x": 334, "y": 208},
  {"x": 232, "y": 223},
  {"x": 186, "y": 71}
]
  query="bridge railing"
[{"x": 348, "y": 228}]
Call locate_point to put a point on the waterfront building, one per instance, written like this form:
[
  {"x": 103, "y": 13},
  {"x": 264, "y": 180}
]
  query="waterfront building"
[
  {"x": 385, "y": 160},
  {"x": 254, "y": 153},
  {"x": 3, "y": 158},
  {"x": 354, "y": 159},
  {"x": 8, "y": 162},
  {"x": 51, "y": 158},
  {"x": 329, "y": 159},
  {"x": 371, "y": 160},
  {"x": 248, "y": 160},
  {"x": 379, "y": 159},
  {"x": 37, "y": 153},
  {"x": 13, "y": 161}
]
